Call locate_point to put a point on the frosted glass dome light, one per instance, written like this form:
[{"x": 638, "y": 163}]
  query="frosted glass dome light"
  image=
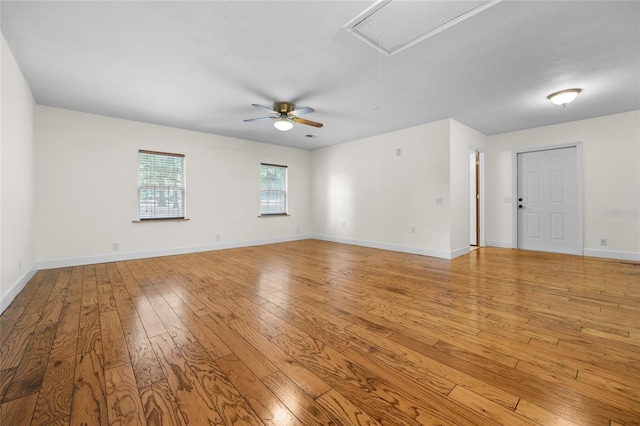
[
  {"x": 564, "y": 97},
  {"x": 283, "y": 124}
]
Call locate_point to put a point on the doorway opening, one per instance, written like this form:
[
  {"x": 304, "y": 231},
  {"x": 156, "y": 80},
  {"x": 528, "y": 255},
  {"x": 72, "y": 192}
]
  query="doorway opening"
[{"x": 476, "y": 217}]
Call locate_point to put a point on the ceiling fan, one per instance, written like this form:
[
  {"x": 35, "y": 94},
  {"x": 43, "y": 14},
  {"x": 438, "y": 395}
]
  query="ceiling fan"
[{"x": 285, "y": 114}]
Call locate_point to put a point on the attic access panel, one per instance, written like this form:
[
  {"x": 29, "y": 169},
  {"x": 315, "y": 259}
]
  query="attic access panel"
[{"x": 393, "y": 26}]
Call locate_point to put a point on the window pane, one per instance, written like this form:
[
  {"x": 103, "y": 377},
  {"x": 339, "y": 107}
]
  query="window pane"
[
  {"x": 273, "y": 189},
  {"x": 160, "y": 186}
]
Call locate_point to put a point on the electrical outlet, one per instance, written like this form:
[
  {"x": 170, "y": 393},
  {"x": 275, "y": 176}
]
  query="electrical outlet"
[
  {"x": 603, "y": 241},
  {"x": 344, "y": 224},
  {"x": 115, "y": 246},
  {"x": 298, "y": 230},
  {"x": 439, "y": 201},
  {"x": 413, "y": 229},
  {"x": 19, "y": 264},
  {"x": 217, "y": 237}
]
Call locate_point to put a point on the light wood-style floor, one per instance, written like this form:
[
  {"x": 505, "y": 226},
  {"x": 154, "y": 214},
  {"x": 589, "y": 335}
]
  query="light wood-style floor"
[{"x": 317, "y": 333}]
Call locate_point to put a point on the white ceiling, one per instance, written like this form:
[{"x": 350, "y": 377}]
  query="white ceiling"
[{"x": 200, "y": 65}]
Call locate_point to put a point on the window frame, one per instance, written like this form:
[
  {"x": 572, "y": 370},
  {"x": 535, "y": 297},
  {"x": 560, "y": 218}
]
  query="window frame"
[
  {"x": 179, "y": 187},
  {"x": 285, "y": 191}
]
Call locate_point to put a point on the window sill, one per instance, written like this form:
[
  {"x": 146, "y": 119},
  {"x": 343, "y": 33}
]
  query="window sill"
[
  {"x": 164, "y": 219},
  {"x": 274, "y": 214}
]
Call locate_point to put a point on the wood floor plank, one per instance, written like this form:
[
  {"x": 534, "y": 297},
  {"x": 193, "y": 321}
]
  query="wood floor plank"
[
  {"x": 429, "y": 407},
  {"x": 343, "y": 410},
  {"x": 150, "y": 320},
  {"x": 349, "y": 380},
  {"x": 193, "y": 401},
  {"x": 305, "y": 379},
  {"x": 271, "y": 410},
  {"x": 29, "y": 374},
  {"x": 160, "y": 406},
  {"x": 53, "y": 308},
  {"x": 540, "y": 415},
  {"x": 225, "y": 397},
  {"x": 123, "y": 400},
  {"x": 18, "y": 340},
  {"x": 18, "y": 412},
  {"x": 145, "y": 365},
  {"x": 487, "y": 409},
  {"x": 179, "y": 332},
  {"x": 89, "y": 332},
  {"x": 314, "y": 332},
  {"x": 54, "y": 400},
  {"x": 205, "y": 335},
  {"x": 6, "y": 376},
  {"x": 114, "y": 347},
  {"x": 89, "y": 405},
  {"x": 258, "y": 362},
  {"x": 18, "y": 306},
  {"x": 301, "y": 404},
  {"x": 430, "y": 373},
  {"x": 123, "y": 301}
]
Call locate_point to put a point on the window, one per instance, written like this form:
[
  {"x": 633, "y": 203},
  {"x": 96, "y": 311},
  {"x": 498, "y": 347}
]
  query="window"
[
  {"x": 273, "y": 189},
  {"x": 160, "y": 185}
]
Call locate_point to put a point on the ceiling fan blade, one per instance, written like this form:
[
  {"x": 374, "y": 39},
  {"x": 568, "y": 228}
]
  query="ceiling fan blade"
[
  {"x": 270, "y": 110},
  {"x": 307, "y": 122},
  {"x": 302, "y": 111},
  {"x": 260, "y": 119}
]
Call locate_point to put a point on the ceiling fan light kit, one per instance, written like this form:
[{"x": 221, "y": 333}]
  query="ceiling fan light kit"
[
  {"x": 285, "y": 114},
  {"x": 563, "y": 97},
  {"x": 283, "y": 124}
]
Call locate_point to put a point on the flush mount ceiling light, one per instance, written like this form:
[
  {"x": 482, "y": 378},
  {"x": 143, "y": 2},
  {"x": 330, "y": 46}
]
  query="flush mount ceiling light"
[
  {"x": 564, "y": 97},
  {"x": 283, "y": 124}
]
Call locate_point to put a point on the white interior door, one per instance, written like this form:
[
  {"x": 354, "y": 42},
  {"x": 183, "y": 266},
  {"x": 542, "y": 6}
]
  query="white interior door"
[{"x": 548, "y": 201}]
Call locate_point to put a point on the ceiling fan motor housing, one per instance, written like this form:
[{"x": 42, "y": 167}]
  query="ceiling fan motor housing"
[{"x": 283, "y": 107}]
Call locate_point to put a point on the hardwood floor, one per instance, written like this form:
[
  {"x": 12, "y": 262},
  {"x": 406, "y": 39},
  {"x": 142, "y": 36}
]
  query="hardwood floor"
[{"x": 317, "y": 333}]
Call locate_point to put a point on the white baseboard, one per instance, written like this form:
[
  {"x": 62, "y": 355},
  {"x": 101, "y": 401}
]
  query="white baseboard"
[
  {"x": 613, "y": 254},
  {"x": 606, "y": 254},
  {"x": 500, "y": 244},
  {"x": 15, "y": 289},
  {"x": 442, "y": 254},
  {"x": 460, "y": 252},
  {"x": 115, "y": 257}
]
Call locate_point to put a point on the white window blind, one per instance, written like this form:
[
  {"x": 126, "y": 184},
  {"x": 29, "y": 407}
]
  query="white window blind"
[
  {"x": 160, "y": 185},
  {"x": 273, "y": 189}
]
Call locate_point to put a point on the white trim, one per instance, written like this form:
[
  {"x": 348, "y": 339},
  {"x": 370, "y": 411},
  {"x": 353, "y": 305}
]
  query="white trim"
[
  {"x": 613, "y": 254},
  {"x": 514, "y": 199},
  {"x": 105, "y": 258},
  {"x": 460, "y": 252},
  {"x": 501, "y": 244},
  {"x": 16, "y": 288},
  {"x": 442, "y": 254},
  {"x": 483, "y": 228},
  {"x": 579, "y": 191},
  {"x": 482, "y": 241}
]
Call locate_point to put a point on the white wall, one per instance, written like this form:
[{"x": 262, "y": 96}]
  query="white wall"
[
  {"x": 366, "y": 194},
  {"x": 462, "y": 139},
  {"x": 17, "y": 226},
  {"x": 87, "y": 190},
  {"x": 611, "y": 167}
]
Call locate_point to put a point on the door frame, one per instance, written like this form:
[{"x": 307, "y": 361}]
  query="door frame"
[
  {"x": 481, "y": 237},
  {"x": 579, "y": 190}
]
